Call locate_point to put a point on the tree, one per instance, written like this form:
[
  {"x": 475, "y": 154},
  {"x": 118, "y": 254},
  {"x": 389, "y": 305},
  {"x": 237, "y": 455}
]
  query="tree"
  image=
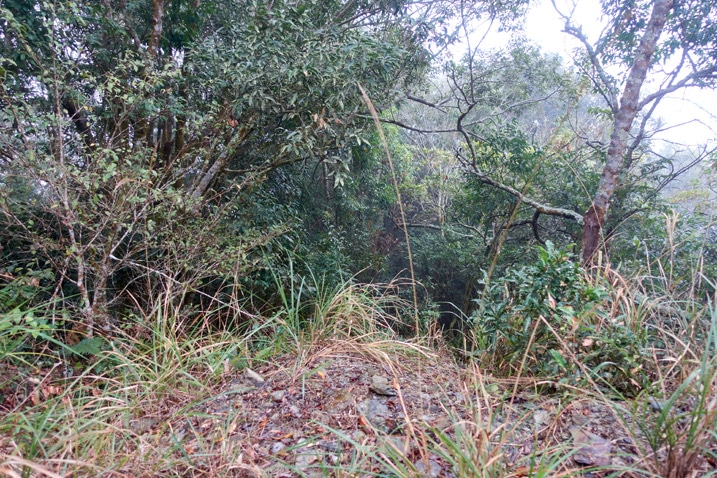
[
  {"x": 486, "y": 113},
  {"x": 666, "y": 44},
  {"x": 134, "y": 133},
  {"x": 677, "y": 35}
]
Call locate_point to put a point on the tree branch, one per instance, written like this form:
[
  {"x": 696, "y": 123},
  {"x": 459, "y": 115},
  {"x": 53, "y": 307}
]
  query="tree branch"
[
  {"x": 539, "y": 207},
  {"x": 706, "y": 74},
  {"x": 609, "y": 93},
  {"x": 417, "y": 130},
  {"x": 424, "y": 102}
]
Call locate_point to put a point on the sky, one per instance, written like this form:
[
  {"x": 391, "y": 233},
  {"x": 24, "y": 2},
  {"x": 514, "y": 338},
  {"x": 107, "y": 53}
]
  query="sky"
[{"x": 689, "y": 113}]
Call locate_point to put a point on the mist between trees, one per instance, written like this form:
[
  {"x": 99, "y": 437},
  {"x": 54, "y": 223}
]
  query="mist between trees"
[{"x": 212, "y": 151}]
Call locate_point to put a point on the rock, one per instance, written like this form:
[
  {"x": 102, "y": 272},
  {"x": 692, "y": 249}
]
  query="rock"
[
  {"x": 330, "y": 446},
  {"x": 381, "y": 386},
  {"x": 427, "y": 419},
  {"x": 278, "y": 395},
  {"x": 592, "y": 450},
  {"x": 304, "y": 459},
  {"x": 342, "y": 400},
  {"x": 375, "y": 412},
  {"x": 142, "y": 425},
  {"x": 358, "y": 436},
  {"x": 540, "y": 416},
  {"x": 434, "y": 469},
  {"x": 277, "y": 447},
  {"x": 655, "y": 405},
  {"x": 579, "y": 418}
]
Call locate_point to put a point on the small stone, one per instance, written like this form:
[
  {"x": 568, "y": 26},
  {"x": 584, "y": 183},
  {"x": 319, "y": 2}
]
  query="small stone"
[
  {"x": 277, "y": 447},
  {"x": 142, "y": 425},
  {"x": 381, "y": 386},
  {"x": 592, "y": 450},
  {"x": 434, "y": 469},
  {"x": 278, "y": 395},
  {"x": 330, "y": 446},
  {"x": 540, "y": 416},
  {"x": 376, "y": 412},
  {"x": 655, "y": 404},
  {"x": 294, "y": 411},
  {"x": 583, "y": 459},
  {"x": 579, "y": 419},
  {"x": 305, "y": 459}
]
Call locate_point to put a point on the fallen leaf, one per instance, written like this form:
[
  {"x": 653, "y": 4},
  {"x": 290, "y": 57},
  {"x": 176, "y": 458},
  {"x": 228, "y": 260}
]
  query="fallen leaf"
[
  {"x": 232, "y": 427},
  {"x": 522, "y": 471}
]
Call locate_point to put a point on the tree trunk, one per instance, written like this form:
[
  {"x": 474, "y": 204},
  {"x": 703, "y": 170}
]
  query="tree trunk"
[
  {"x": 629, "y": 108},
  {"x": 78, "y": 117},
  {"x": 157, "y": 21}
]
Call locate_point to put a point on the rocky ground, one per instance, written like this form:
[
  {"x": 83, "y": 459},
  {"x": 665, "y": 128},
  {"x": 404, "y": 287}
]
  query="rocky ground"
[
  {"x": 292, "y": 421},
  {"x": 343, "y": 412}
]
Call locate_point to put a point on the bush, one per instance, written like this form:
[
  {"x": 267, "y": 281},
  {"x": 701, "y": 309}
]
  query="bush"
[{"x": 549, "y": 319}]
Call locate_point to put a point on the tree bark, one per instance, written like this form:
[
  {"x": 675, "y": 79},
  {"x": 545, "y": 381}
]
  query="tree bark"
[
  {"x": 594, "y": 218},
  {"x": 157, "y": 21}
]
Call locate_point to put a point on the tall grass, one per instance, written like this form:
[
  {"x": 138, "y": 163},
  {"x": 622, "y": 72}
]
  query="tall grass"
[
  {"x": 90, "y": 415},
  {"x": 116, "y": 410},
  {"x": 315, "y": 316}
]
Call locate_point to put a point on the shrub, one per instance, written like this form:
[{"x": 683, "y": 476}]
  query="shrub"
[{"x": 549, "y": 318}]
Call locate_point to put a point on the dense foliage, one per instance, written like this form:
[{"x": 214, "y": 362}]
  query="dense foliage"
[
  {"x": 208, "y": 152},
  {"x": 191, "y": 190}
]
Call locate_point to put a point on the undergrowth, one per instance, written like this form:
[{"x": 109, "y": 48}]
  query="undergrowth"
[{"x": 111, "y": 406}]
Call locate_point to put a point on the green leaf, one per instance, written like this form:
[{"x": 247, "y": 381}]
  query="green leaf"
[
  {"x": 89, "y": 346},
  {"x": 559, "y": 359}
]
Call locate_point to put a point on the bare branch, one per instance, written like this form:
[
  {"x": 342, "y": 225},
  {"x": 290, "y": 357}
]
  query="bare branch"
[
  {"x": 688, "y": 81},
  {"x": 605, "y": 85},
  {"x": 417, "y": 130},
  {"x": 424, "y": 102}
]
